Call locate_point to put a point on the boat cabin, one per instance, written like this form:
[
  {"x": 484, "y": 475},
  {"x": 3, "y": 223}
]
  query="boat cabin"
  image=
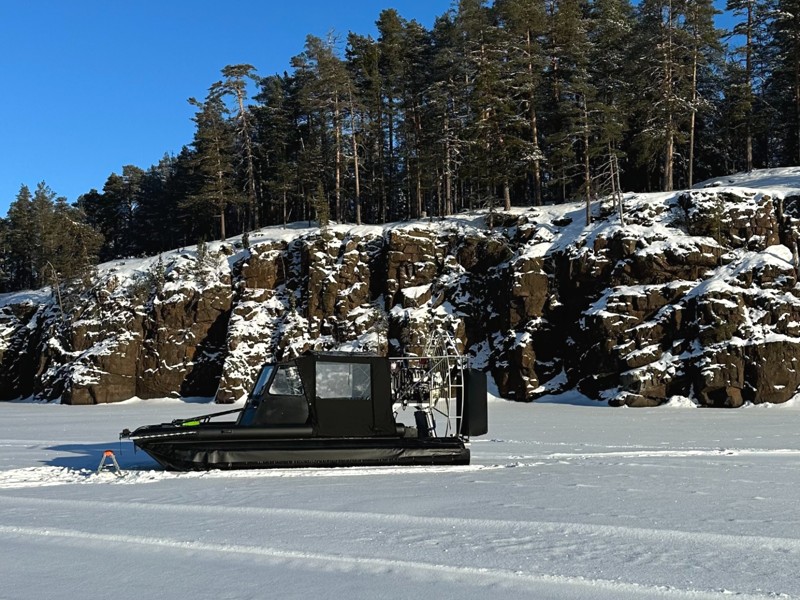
[{"x": 333, "y": 394}]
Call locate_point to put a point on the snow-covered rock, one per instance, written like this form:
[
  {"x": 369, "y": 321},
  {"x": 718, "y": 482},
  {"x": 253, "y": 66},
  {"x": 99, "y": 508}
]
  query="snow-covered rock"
[{"x": 695, "y": 295}]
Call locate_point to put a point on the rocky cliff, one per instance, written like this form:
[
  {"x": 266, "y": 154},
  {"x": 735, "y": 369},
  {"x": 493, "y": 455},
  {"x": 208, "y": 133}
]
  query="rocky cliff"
[{"x": 696, "y": 295}]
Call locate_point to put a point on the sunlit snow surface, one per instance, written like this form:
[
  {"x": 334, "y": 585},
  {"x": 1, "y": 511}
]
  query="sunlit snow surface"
[{"x": 563, "y": 499}]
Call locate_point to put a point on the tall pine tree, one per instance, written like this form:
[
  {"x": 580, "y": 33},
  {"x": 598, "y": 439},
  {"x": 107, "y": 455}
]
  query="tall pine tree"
[
  {"x": 212, "y": 163},
  {"x": 234, "y": 85}
]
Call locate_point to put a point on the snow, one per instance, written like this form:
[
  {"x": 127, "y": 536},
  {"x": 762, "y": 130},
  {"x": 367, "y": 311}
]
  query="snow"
[
  {"x": 564, "y": 499},
  {"x": 26, "y": 297},
  {"x": 778, "y": 181},
  {"x": 416, "y": 292}
]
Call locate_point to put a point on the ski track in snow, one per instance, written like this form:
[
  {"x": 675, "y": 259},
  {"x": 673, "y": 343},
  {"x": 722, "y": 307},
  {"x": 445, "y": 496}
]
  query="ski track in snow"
[
  {"x": 561, "y": 503},
  {"x": 461, "y": 537},
  {"x": 444, "y": 523},
  {"x": 480, "y": 575}
]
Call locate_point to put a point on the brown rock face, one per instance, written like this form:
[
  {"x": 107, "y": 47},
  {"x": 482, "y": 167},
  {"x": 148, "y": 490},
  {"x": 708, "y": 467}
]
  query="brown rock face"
[
  {"x": 530, "y": 288},
  {"x": 22, "y": 328},
  {"x": 412, "y": 260},
  {"x": 693, "y": 297},
  {"x": 516, "y": 375},
  {"x": 735, "y": 221},
  {"x": 142, "y": 339},
  {"x": 704, "y": 334}
]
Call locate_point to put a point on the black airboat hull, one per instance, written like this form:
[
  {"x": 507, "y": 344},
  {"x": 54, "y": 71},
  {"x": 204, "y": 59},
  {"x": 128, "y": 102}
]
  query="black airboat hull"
[{"x": 206, "y": 447}]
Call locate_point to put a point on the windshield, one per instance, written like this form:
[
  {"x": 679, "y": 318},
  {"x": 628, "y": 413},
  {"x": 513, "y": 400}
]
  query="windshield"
[{"x": 263, "y": 378}]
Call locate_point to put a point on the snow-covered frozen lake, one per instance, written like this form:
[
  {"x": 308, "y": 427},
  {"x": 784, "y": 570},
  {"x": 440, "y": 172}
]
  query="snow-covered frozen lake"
[{"x": 561, "y": 501}]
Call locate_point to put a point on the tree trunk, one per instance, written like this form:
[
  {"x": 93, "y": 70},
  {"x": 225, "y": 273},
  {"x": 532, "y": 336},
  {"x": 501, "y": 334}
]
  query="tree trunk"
[
  {"x": 490, "y": 196},
  {"x": 616, "y": 190},
  {"x": 222, "y": 234},
  {"x": 537, "y": 167},
  {"x": 355, "y": 158},
  {"x": 797, "y": 88},
  {"x": 417, "y": 138},
  {"x": 448, "y": 176},
  {"x": 669, "y": 146},
  {"x": 587, "y": 173},
  {"x": 221, "y": 203},
  {"x": 693, "y": 116},
  {"x": 748, "y": 62},
  {"x": 285, "y": 216},
  {"x": 337, "y": 126},
  {"x": 390, "y": 183},
  {"x": 251, "y": 177},
  {"x": 439, "y": 194},
  {"x": 669, "y": 158},
  {"x": 381, "y": 169}
]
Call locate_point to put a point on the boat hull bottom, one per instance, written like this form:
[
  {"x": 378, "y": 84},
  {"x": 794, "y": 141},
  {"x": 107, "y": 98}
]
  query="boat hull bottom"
[{"x": 193, "y": 455}]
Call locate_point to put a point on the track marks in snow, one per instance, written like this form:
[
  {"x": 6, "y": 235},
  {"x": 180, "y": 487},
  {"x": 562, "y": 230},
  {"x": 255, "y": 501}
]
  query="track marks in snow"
[
  {"x": 700, "y": 453},
  {"x": 493, "y": 526},
  {"x": 626, "y": 452},
  {"x": 518, "y": 550},
  {"x": 315, "y": 560}
]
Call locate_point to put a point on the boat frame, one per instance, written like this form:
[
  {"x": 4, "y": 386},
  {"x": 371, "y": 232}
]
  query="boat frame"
[{"x": 334, "y": 409}]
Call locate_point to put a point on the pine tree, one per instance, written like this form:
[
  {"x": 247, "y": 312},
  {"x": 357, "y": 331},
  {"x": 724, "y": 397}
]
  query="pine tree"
[
  {"x": 417, "y": 54},
  {"x": 157, "y": 220},
  {"x": 311, "y": 121},
  {"x": 705, "y": 52},
  {"x": 20, "y": 270},
  {"x": 121, "y": 194},
  {"x": 573, "y": 99},
  {"x": 363, "y": 64},
  {"x": 332, "y": 98},
  {"x": 610, "y": 72},
  {"x": 485, "y": 90},
  {"x": 326, "y": 99},
  {"x": 447, "y": 112},
  {"x": 71, "y": 246},
  {"x": 113, "y": 212},
  {"x": 188, "y": 222},
  {"x": 525, "y": 27},
  {"x": 275, "y": 146},
  {"x": 49, "y": 242},
  {"x": 741, "y": 83},
  {"x": 783, "y": 81},
  {"x": 5, "y": 252},
  {"x": 390, "y": 66},
  {"x": 234, "y": 84},
  {"x": 663, "y": 76},
  {"x": 212, "y": 162},
  {"x": 43, "y": 227},
  {"x": 356, "y": 116}
]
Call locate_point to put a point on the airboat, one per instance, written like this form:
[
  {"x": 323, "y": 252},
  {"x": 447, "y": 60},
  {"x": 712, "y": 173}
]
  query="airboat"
[{"x": 336, "y": 409}]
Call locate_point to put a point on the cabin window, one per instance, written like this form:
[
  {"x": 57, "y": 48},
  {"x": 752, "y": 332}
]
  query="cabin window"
[
  {"x": 287, "y": 382},
  {"x": 263, "y": 378},
  {"x": 344, "y": 380}
]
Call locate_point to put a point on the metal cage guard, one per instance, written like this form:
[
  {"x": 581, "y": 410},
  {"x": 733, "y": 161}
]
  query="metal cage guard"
[{"x": 432, "y": 384}]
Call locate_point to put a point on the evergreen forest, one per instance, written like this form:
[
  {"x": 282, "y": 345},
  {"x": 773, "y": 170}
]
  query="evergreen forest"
[{"x": 511, "y": 102}]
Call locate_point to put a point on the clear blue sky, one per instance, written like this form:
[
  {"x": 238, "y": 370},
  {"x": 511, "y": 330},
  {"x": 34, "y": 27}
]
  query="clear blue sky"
[{"x": 92, "y": 85}]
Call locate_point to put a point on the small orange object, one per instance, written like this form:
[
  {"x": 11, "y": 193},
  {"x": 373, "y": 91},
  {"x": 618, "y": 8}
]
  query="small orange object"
[{"x": 113, "y": 466}]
